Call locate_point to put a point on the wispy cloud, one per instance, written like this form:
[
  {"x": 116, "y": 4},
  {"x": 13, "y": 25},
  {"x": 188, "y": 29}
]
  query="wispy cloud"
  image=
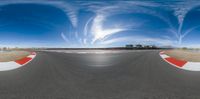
[
  {"x": 104, "y": 10},
  {"x": 98, "y": 31},
  {"x": 64, "y": 37},
  {"x": 69, "y": 9},
  {"x": 181, "y": 8}
]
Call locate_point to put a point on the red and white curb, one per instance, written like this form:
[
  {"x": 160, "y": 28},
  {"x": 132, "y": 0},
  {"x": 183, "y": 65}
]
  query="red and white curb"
[
  {"x": 4, "y": 66},
  {"x": 182, "y": 64}
]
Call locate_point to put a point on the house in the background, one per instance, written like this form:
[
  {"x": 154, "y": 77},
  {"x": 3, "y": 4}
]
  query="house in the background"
[
  {"x": 149, "y": 47},
  {"x": 138, "y": 46},
  {"x": 129, "y": 46}
]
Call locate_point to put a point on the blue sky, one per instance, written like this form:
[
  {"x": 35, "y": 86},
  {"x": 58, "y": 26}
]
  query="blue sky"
[{"x": 60, "y": 23}]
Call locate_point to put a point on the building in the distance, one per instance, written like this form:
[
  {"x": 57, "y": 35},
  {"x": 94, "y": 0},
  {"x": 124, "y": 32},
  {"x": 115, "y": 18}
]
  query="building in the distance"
[
  {"x": 129, "y": 46},
  {"x": 138, "y": 46}
]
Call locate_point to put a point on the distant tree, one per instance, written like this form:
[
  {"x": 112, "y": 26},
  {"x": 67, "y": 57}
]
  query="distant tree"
[
  {"x": 154, "y": 47},
  {"x": 4, "y": 48},
  {"x": 147, "y": 47},
  {"x": 184, "y": 48}
]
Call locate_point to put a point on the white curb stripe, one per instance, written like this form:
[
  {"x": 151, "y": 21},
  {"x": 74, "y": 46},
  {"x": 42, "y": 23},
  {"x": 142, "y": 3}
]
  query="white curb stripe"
[
  {"x": 164, "y": 55},
  {"x": 4, "y": 66},
  {"x": 31, "y": 56},
  {"x": 192, "y": 66}
]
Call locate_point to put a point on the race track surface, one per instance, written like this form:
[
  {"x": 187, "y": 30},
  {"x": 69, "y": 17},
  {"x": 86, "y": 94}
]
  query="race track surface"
[{"x": 127, "y": 75}]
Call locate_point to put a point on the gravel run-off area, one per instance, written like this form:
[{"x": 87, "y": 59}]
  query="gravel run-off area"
[{"x": 6, "y": 56}]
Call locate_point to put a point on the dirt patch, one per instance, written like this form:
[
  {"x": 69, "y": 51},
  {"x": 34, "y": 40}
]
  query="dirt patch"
[
  {"x": 184, "y": 55},
  {"x": 12, "y": 55}
]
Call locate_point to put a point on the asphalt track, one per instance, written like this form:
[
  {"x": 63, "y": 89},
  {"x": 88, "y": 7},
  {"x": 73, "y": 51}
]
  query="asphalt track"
[{"x": 131, "y": 75}]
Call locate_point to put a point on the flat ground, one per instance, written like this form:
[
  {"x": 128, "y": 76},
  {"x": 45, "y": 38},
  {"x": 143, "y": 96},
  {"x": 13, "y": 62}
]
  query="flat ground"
[
  {"x": 124, "y": 75},
  {"x": 184, "y": 55},
  {"x": 12, "y": 55}
]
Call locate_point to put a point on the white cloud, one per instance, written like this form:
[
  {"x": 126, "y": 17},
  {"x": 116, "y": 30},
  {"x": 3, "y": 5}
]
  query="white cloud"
[
  {"x": 86, "y": 27},
  {"x": 64, "y": 37},
  {"x": 69, "y": 9},
  {"x": 180, "y": 11},
  {"x": 103, "y": 10},
  {"x": 100, "y": 33}
]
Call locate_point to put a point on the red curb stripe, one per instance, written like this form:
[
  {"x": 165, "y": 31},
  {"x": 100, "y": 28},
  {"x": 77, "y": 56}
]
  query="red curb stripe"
[
  {"x": 23, "y": 60},
  {"x": 176, "y": 62}
]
